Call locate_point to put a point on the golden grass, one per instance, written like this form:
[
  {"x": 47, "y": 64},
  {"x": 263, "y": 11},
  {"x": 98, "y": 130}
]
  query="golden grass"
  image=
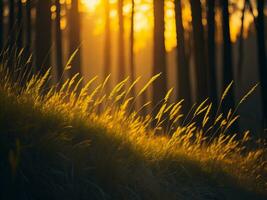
[{"x": 143, "y": 164}]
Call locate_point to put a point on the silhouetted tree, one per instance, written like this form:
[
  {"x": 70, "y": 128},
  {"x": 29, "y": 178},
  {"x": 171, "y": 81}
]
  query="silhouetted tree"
[
  {"x": 212, "y": 81},
  {"x": 43, "y": 35},
  {"x": 11, "y": 34},
  {"x": 28, "y": 27},
  {"x": 121, "y": 54},
  {"x": 19, "y": 24},
  {"x": 241, "y": 42},
  {"x": 1, "y": 25},
  {"x": 11, "y": 20},
  {"x": 132, "y": 63},
  {"x": 260, "y": 28},
  {"x": 183, "y": 79},
  {"x": 199, "y": 51},
  {"x": 107, "y": 47},
  {"x": 159, "y": 53},
  {"x": 58, "y": 41},
  {"x": 74, "y": 36},
  {"x": 229, "y": 102}
]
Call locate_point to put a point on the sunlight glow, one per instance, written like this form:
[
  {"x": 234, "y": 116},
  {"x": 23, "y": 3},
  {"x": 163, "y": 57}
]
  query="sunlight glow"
[
  {"x": 91, "y": 4},
  {"x": 143, "y": 20}
]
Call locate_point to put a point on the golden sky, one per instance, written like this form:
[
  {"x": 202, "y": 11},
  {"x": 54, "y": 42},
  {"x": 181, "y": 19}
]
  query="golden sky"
[{"x": 144, "y": 19}]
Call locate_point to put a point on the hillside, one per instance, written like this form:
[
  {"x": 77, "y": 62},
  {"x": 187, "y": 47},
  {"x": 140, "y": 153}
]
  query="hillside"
[{"x": 64, "y": 144}]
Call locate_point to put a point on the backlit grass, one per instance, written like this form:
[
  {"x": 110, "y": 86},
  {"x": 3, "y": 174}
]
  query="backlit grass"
[{"x": 74, "y": 142}]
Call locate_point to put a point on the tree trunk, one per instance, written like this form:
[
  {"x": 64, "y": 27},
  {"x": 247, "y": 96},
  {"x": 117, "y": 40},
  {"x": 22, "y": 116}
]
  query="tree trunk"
[
  {"x": 229, "y": 102},
  {"x": 11, "y": 20},
  {"x": 183, "y": 77},
  {"x": 199, "y": 51},
  {"x": 132, "y": 63},
  {"x": 1, "y": 25},
  {"x": 58, "y": 41},
  {"x": 11, "y": 35},
  {"x": 212, "y": 53},
  {"x": 107, "y": 47},
  {"x": 241, "y": 43},
  {"x": 74, "y": 37},
  {"x": 260, "y": 27},
  {"x": 28, "y": 27},
  {"x": 159, "y": 57},
  {"x": 19, "y": 25},
  {"x": 121, "y": 54},
  {"x": 43, "y": 36}
]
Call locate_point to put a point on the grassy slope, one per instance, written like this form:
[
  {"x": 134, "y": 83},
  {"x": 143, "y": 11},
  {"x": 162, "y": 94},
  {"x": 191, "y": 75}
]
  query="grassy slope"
[{"x": 62, "y": 146}]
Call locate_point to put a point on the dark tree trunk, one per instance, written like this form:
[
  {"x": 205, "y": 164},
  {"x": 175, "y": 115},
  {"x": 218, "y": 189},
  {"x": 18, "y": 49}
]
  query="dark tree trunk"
[
  {"x": 28, "y": 27},
  {"x": 58, "y": 41},
  {"x": 27, "y": 39},
  {"x": 159, "y": 57},
  {"x": 260, "y": 27},
  {"x": 11, "y": 35},
  {"x": 74, "y": 37},
  {"x": 1, "y": 25},
  {"x": 132, "y": 63},
  {"x": 121, "y": 54},
  {"x": 19, "y": 25},
  {"x": 107, "y": 47},
  {"x": 11, "y": 20},
  {"x": 212, "y": 53},
  {"x": 229, "y": 102},
  {"x": 43, "y": 36},
  {"x": 183, "y": 78},
  {"x": 199, "y": 51},
  {"x": 241, "y": 43}
]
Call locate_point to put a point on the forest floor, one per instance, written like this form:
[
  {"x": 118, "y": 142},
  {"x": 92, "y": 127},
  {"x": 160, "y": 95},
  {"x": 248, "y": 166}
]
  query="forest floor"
[{"x": 64, "y": 144}]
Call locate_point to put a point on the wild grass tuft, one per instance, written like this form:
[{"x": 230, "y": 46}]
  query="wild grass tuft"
[{"x": 84, "y": 143}]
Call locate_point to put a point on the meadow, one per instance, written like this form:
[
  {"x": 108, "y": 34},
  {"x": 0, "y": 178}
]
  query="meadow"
[{"x": 72, "y": 142}]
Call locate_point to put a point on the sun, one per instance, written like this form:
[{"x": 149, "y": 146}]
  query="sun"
[{"x": 91, "y": 4}]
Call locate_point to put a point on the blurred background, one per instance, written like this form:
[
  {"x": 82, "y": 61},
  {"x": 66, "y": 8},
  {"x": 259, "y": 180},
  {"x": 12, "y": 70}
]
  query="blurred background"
[{"x": 199, "y": 46}]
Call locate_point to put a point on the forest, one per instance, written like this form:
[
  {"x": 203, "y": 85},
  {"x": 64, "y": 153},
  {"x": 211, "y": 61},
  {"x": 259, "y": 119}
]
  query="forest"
[{"x": 133, "y": 99}]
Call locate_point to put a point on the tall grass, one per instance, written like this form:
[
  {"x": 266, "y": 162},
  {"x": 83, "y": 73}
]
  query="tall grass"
[{"x": 73, "y": 142}]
